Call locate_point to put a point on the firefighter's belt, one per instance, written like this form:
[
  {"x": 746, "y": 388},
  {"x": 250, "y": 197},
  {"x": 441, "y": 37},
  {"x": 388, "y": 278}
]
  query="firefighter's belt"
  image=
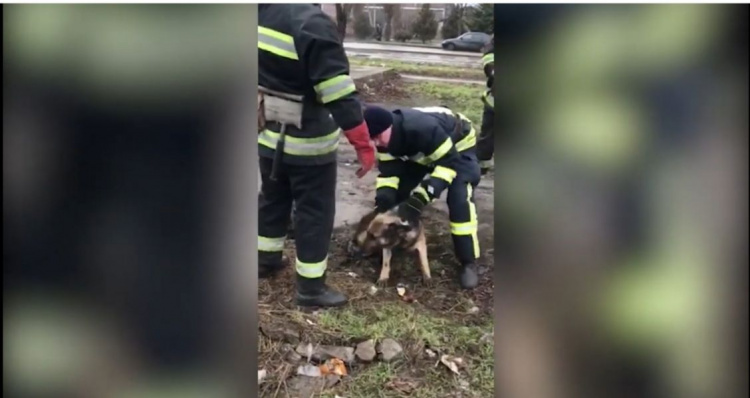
[{"x": 279, "y": 107}]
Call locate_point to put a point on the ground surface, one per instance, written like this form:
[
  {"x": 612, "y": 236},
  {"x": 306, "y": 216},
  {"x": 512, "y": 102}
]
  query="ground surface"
[
  {"x": 442, "y": 319},
  {"x": 412, "y": 54}
]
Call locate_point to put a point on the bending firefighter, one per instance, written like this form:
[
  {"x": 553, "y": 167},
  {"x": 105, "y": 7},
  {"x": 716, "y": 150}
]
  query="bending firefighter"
[
  {"x": 421, "y": 153},
  {"x": 486, "y": 142},
  {"x": 307, "y": 98}
]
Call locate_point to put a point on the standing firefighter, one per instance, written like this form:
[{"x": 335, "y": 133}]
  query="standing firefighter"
[
  {"x": 437, "y": 144},
  {"x": 307, "y": 98},
  {"x": 486, "y": 143}
]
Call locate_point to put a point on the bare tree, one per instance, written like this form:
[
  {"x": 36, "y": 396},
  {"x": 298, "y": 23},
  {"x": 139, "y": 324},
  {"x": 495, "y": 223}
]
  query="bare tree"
[
  {"x": 391, "y": 11},
  {"x": 342, "y": 17}
]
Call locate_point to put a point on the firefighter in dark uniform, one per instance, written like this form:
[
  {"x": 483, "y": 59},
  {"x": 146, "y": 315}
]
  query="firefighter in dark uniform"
[
  {"x": 421, "y": 153},
  {"x": 305, "y": 72},
  {"x": 486, "y": 142}
]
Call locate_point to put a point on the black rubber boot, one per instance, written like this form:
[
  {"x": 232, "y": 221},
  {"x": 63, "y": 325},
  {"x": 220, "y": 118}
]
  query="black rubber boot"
[
  {"x": 469, "y": 277},
  {"x": 315, "y": 293},
  {"x": 269, "y": 271}
]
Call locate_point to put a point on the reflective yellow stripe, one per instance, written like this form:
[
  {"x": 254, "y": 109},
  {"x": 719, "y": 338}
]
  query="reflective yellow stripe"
[
  {"x": 277, "y": 43},
  {"x": 266, "y": 244},
  {"x": 488, "y": 58},
  {"x": 467, "y": 142},
  {"x": 302, "y": 146},
  {"x": 384, "y": 157},
  {"x": 390, "y": 182},
  {"x": 468, "y": 228},
  {"x": 463, "y": 228},
  {"x": 474, "y": 219},
  {"x": 311, "y": 270},
  {"x": 444, "y": 173},
  {"x": 419, "y": 190},
  {"x": 443, "y": 149},
  {"x": 335, "y": 88}
]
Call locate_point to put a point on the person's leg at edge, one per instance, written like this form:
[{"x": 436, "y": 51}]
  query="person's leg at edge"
[
  {"x": 314, "y": 191},
  {"x": 274, "y": 207},
  {"x": 464, "y": 225}
]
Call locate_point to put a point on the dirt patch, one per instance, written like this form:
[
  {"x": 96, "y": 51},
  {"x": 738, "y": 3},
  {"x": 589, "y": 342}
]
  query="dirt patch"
[
  {"x": 442, "y": 319},
  {"x": 390, "y": 88}
]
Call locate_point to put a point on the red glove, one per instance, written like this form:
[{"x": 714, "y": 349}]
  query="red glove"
[{"x": 359, "y": 137}]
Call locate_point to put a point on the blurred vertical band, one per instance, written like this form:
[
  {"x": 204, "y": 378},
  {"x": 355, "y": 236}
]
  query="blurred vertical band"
[
  {"x": 128, "y": 199},
  {"x": 621, "y": 174}
]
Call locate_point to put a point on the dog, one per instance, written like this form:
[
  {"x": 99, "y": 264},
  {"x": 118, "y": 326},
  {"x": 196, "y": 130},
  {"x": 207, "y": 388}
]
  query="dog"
[{"x": 386, "y": 232}]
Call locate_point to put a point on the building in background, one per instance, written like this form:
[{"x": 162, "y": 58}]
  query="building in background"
[{"x": 409, "y": 11}]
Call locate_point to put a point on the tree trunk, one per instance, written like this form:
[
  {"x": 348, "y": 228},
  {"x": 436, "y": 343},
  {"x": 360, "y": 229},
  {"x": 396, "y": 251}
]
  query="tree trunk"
[
  {"x": 342, "y": 15},
  {"x": 387, "y": 30}
]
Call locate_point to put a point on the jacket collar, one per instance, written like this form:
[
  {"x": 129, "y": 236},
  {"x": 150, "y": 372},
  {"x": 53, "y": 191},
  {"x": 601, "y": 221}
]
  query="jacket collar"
[{"x": 397, "y": 131}]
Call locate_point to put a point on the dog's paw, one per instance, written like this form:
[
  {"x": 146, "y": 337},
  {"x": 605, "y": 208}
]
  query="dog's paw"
[
  {"x": 382, "y": 282},
  {"x": 427, "y": 281}
]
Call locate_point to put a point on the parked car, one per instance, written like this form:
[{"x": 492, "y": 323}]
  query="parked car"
[{"x": 469, "y": 41}]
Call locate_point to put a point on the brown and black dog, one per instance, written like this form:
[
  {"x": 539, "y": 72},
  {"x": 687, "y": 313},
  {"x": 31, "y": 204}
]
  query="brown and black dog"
[{"x": 385, "y": 232}]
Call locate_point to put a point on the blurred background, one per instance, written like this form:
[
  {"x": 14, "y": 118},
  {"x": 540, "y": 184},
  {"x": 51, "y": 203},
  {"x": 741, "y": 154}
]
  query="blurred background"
[
  {"x": 621, "y": 167},
  {"x": 127, "y": 180}
]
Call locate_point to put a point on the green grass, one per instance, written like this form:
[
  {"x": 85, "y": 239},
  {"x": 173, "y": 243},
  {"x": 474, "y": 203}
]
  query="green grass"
[
  {"x": 411, "y": 68},
  {"x": 414, "y": 328},
  {"x": 461, "y": 98}
]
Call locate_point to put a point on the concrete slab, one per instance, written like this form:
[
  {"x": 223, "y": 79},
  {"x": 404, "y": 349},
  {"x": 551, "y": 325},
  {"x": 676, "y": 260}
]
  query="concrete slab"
[
  {"x": 363, "y": 73},
  {"x": 443, "y": 80}
]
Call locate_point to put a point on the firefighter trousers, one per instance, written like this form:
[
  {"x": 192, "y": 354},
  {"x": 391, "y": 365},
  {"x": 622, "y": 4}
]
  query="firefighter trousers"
[
  {"x": 486, "y": 141},
  {"x": 312, "y": 189},
  {"x": 461, "y": 206}
]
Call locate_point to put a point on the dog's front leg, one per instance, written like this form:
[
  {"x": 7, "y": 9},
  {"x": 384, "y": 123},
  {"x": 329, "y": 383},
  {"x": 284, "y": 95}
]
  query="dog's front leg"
[
  {"x": 385, "y": 269},
  {"x": 424, "y": 264}
]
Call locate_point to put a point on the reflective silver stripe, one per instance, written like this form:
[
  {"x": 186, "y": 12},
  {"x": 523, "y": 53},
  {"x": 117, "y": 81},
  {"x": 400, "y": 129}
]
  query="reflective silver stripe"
[
  {"x": 266, "y": 244},
  {"x": 311, "y": 270},
  {"x": 464, "y": 228},
  {"x": 277, "y": 43},
  {"x": 302, "y": 146},
  {"x": 335, "y": 88}
]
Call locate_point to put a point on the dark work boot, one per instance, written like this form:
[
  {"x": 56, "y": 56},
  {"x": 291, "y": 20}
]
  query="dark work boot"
[
  {"x": 469, "y": 277},
  {"x": 269, "y": 271},
  {"x": 313, "y": 292}
]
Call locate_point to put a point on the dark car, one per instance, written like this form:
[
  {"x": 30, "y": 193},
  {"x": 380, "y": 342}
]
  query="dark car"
[{"x": 469, "y": 41}]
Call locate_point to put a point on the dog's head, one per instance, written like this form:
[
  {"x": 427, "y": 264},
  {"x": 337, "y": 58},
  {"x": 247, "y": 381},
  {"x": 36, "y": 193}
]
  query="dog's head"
[{"x": 377, "y": 231}]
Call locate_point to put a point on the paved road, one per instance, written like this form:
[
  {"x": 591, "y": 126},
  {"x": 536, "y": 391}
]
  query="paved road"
[
  {"x": 377, "y": 47},
  {"x": 456, "y": 61}
]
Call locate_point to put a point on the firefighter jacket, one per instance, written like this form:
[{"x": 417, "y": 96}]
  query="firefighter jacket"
[
  {"x": 300, "y": 53},
  {"x": 488, "y": 64},
  {"x": 442, "y": 142}
]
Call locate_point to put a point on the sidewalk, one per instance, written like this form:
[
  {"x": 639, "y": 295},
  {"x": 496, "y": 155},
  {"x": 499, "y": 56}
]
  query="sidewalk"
[{"x": 385, "y": 47}]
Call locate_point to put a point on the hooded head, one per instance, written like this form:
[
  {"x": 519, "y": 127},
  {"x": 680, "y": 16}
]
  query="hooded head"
[{"x": 379, "y": 122}]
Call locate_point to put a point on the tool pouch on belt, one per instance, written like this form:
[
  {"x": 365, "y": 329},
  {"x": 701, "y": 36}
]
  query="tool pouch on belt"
[{"x": 281, "y": 107}]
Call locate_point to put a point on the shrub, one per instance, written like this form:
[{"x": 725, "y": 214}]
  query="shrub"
[{"x": 425, "y": 27}]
